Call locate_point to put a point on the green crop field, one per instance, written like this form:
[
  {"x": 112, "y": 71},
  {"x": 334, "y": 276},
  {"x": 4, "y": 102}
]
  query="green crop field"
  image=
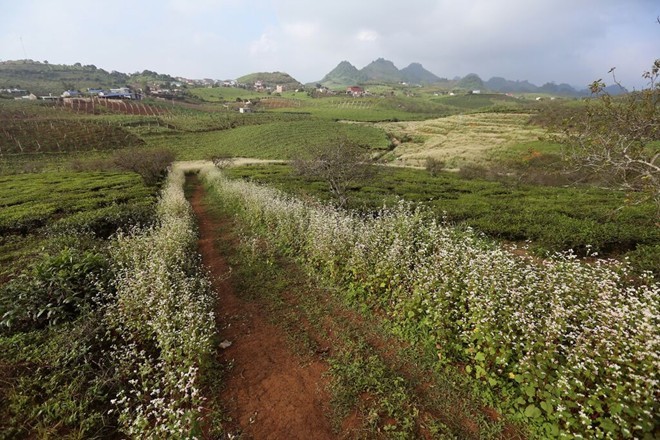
[
  {"x": 274, "y": 140},
  {"x": 552, "y": 219},
  {"x": 34, "y": 207}
]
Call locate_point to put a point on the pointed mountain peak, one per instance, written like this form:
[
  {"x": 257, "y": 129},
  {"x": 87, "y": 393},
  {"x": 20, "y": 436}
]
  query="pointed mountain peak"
[{"x": 416, "y": 73}]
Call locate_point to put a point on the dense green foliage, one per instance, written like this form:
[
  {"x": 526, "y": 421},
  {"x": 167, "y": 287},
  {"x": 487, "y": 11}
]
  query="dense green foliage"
[
  {"x": 73, "y": 202},
  {"x": 55, "y": 274},
  {"x": 276, "y": 140}
]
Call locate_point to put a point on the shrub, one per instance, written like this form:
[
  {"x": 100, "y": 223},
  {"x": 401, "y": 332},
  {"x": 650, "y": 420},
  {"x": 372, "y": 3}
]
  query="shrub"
[
  {"x": 646, "y": 258},
  {"x": 434, "y": 166}
]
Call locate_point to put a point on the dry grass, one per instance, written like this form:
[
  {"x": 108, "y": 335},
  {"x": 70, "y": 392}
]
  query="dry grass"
[{"x": 459, "y": 139}]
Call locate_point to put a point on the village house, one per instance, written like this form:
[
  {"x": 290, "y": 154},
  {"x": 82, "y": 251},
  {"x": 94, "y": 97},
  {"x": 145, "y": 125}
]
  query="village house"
[
  {"x": 31, "y": 97},
  {"x": 355, "y": 91}
]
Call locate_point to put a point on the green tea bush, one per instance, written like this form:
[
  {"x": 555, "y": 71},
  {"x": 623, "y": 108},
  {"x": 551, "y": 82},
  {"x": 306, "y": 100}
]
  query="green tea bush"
[
  {"x": 566, "y": 347},
  {"x": 56, "y": 382},
  {"x": 57, "y": 289}
]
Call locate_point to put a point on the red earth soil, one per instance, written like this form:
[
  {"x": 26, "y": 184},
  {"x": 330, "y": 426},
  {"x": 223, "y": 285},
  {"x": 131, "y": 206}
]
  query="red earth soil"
[{"x": 268, "y": 393}]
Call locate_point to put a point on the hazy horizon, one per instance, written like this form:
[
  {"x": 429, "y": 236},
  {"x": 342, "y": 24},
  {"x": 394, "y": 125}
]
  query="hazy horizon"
[{"x": 541, "y": 41}]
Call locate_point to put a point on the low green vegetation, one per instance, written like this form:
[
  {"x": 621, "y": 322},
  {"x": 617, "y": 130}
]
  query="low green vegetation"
[
  {"x": 106, "y": 338},
  {"x": 56, "y": 272},
  {"x": 41, "y": 210},
  {"x": 584, "y": 220},
  {"x": 564, "y": 347},
  {"x": 275, "y": 140}
]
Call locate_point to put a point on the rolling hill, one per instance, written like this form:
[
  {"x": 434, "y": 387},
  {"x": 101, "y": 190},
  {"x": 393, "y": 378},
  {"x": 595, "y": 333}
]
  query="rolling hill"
[
  {"x": 42, "y": 78},
  {"x": 271, "y": 79}
]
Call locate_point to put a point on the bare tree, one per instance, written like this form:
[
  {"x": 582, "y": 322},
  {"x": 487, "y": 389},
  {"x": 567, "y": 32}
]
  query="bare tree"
[
  {"x": 616, "y": 138},
  {"x": 222, "y": 161},
  {"x": 340, "y": 163}
]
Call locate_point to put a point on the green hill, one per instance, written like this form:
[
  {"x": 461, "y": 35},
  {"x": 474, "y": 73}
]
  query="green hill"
[
  {"x": 42, "y": 78},
  {"x": 271, "y": 79},
  {"x": 471, "y": 81},
  {"x": 344, "y": 75},
  {"x": 417, "y": 74},
  {"x": 382, "y": 71}
]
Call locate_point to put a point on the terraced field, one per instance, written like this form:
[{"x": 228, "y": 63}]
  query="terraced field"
[{"x": 459, "y": 139}]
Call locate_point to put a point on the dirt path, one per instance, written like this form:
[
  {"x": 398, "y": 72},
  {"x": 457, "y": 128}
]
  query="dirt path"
[{"x": 268, "y": 393}]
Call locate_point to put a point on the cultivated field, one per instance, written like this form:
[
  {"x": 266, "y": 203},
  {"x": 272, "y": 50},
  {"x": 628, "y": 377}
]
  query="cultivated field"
[
  {"x": 482, "y": 294},
  {"x": 459, "y": 139}
]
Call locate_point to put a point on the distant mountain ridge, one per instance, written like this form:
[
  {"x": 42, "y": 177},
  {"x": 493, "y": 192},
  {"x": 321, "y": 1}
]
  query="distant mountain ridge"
[
  {"x": 378, "y": 71},
  {"x": 42, "y": 78},
  {"x": 382, "y": 71}
]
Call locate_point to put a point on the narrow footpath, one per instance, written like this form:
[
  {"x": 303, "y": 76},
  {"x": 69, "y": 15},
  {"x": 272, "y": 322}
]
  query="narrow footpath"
[{"x": 268, "y": 392}]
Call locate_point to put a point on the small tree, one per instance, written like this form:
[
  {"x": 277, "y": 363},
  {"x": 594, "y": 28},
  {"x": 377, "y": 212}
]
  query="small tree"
[
  {"x": 152, "y": 165},
  {"x": 616, "y": 138},
  {"x": 341, "y": 163}
]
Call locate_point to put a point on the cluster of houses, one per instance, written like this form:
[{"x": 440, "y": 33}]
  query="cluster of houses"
[{"x": 120, "y": 93}]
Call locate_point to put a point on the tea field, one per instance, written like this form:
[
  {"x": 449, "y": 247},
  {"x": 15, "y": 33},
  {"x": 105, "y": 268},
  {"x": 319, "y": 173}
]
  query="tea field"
[{"x": 535, "y": 294}]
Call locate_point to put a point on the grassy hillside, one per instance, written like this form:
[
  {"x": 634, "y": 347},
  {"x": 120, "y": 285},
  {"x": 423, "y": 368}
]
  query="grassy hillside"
[
  {"x": 42, "y": 78},
  {"x": 271, "y": 79}
]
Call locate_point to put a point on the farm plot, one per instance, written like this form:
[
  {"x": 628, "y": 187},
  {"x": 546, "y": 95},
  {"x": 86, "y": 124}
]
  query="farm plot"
[
  {"x": 276, "y": 140},
  {"x": 62, "y": 136},
  {"x": 460, "y": 138}
]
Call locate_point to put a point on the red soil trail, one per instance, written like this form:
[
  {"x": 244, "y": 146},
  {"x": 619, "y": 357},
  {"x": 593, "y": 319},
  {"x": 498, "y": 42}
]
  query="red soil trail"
[{"x": 268, "y": 392}]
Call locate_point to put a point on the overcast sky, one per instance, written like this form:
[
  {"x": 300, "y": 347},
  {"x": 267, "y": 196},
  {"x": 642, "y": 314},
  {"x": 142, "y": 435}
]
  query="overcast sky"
[{"x": 572, "y": 41}]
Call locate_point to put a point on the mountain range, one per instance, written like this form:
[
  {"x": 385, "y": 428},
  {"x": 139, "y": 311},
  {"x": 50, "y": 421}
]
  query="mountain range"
[
  {"x": 382, "y": 71},
  {"x": 42, "y": 78}
]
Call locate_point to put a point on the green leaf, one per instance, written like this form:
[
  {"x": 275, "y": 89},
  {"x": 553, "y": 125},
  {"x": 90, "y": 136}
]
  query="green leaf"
[
  {"x": 547, "y": 406},
  {"x": 532, "y": 412},
  {"x": 530, "y": 390},
  {"x": 480, "y": 357}
]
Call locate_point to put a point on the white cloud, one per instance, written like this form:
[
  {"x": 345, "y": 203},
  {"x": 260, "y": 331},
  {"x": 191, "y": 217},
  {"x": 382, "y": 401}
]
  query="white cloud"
[
  {"x": 266, "y": 44},
  {"x": 367, "y": 36}
]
